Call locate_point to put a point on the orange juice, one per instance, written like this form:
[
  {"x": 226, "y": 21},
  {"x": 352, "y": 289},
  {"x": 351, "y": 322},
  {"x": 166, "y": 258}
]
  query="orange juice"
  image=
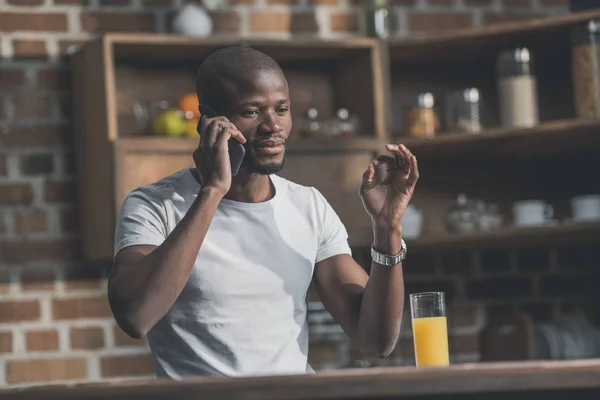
[{"x": 430, "y": 336}]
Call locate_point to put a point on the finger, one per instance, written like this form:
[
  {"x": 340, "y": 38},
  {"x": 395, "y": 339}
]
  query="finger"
[
  {"x": 237, "y": 135},
  {"x": 368, "y": 179},
  {"x": 222, "y": 138},
  {"x": 386, "y": 159},
  {"x": 413, "y": 176},
  {"x": 402, "y": 156}
]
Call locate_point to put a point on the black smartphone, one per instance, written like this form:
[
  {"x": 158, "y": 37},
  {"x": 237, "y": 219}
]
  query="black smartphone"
[{"x": 236, "y": 149}]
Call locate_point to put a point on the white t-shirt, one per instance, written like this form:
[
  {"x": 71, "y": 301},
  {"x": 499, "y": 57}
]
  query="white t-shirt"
[{"x": 243, "y": 309}]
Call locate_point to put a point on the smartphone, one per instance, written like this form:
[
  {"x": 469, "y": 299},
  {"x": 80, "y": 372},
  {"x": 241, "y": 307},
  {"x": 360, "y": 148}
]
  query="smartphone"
[{"x": 236, "y": 149}]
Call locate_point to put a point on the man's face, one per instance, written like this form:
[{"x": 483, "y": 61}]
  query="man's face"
[{"x": 260, "y": 107}]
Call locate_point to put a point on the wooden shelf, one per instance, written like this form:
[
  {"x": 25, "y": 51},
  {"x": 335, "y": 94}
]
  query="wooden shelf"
[
  {"x": 557, "y": 137},
  {"x": 490, "y": 38},
  {"x": 566, "y": 232}
]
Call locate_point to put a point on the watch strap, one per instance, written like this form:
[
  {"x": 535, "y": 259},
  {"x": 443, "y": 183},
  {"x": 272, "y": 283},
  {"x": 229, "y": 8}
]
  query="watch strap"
[{"x": 389, "y": 260}]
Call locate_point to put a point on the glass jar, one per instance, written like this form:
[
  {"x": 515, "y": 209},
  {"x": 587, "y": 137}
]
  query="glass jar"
[
  {"x": 377, "y": 19},
  {"x": 517, "y": 89},
  {"x": 464, "y": 111},
  {"x": 421, "y": 118},
  {"x": 586, "y": 69},
  {"x": 310, "y": 125}
]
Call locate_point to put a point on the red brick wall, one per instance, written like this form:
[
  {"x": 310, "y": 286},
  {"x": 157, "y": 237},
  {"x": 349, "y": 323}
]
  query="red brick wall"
[{"x": 55, "y": 324}]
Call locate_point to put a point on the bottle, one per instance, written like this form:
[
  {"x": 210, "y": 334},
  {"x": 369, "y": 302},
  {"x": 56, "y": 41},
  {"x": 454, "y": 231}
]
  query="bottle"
[
  {"x": 586, "y": 69},
  {"x": 377, "y": 17},
  {"x": 517, "y": 89},
  {"x": 464, "y": 111},
  {"x": 421, "y": 119}
]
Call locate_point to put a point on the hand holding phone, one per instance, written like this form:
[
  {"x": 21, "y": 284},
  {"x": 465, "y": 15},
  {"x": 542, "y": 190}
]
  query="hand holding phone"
[
  {"x": 236, "y": 149},
  {"x": 216, "y": 163}
]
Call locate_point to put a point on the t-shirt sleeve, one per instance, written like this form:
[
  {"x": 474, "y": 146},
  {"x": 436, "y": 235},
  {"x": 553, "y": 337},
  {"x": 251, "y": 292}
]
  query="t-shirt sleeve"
[
  {"x": 334, "y": 237},
  {"x": 141, "y": 220}
]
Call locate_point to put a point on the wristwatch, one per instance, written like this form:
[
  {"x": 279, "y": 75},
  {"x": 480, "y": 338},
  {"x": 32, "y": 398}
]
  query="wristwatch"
[{"x": 386, "y": 259}]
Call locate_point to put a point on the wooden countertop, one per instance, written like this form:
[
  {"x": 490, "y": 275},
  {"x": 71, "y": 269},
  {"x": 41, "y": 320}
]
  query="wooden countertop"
[{"x": 343, "y": 384}]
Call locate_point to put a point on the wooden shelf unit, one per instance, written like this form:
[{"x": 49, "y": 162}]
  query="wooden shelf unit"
[{"x": 368, "y": 77}]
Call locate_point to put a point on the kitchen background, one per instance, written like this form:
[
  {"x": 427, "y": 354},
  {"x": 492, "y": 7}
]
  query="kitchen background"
[{"x": 55, "y": 324}]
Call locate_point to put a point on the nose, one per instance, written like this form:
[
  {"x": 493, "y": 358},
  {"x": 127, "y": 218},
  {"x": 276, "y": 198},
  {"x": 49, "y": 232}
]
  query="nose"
[{"x": 271, "y": 124}]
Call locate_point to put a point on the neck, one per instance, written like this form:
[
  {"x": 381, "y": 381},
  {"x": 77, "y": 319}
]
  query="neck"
[{"x": 250, "y": 188}]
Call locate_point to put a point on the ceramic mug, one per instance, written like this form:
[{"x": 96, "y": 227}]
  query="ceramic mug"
[
  {"x": 586, "y": 208},
  {"x": 532, "y": 213}
]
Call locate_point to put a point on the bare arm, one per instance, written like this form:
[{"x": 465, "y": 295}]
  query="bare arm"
[
  {"x": 368, "y": 308},
  {"x": 145, "y": 281}
]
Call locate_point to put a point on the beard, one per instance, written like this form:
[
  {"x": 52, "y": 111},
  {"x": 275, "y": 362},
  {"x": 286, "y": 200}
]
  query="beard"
[{"x": 253, "y": 166}]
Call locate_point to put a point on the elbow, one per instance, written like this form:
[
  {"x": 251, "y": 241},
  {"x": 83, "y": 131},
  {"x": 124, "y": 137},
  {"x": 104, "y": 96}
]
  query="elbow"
[
  {"x": 128, "y": 320},
  {"x": 379, "y": 346}
]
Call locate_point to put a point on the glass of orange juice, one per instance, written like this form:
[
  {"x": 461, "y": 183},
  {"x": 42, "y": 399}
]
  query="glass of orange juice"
[{"x": 430, "y": 329}]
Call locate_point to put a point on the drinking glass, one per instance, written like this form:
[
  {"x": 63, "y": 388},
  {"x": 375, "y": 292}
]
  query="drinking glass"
[{"x": 430, "y": 329}]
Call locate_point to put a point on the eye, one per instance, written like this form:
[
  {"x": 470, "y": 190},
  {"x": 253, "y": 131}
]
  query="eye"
[
  {"x": 250, "y": 113},
  {"x": 282, "y": 110}
]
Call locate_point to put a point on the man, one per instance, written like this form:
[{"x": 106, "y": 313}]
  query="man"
[{"x": 214, "y": 269}]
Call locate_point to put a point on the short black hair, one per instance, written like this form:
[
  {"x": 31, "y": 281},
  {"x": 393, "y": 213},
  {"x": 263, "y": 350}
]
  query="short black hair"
[{"x": 229, "y": 64}]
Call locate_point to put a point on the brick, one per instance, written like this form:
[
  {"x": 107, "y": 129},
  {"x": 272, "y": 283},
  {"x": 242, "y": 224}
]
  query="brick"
[
  {"x": 344, "y": 22},
  {"x": 566, "y": 285},
  {"x": 441, "y": 3},
  {"x": 123, "y": 340},
  {"x": 234, "y": 2},
  {"x": 33, "y": 107},
  {"x": 85, "y": 307},
  {"x": 15, "y": 193},
  {"x": 495, "y": 261},
  {"x": 539, "y": 311},
  {"x": 65, "y": 46},
  {"x": 11, "y": 79},
  {"x": 134, "y": 365},
  {"x": 323, "y": 2},
  {"x": 438, "y": 22},
  {"x": 17, "y": 311},
  {"x": 554, "y": 3},
  {"x": 53, "y": 79},
  {"x": 117, "y": 22},
  {"x": 419, "y": 264},
  {"x": 157, "y": 3},
  {"x": 19, "y": 251},
  {"x": 4, "y": 278},
  {"x": 431, "y": 285},
  {"x": 461, "y": 316},
  {"x": 45, "y": 370},
  {"x": 87, "y": 338},
  {"x": 456, "y": 262},
  {"x": 40, "y": 136},
  {"x": 31, "y": 221},
  {"x": 325, "y": 352},
  {"x": 478, "y": 3},
  {"x": 580, "y": 257},
  {"x": 6, "y": 342},
  {"x": 88, "y": 285},
  {"x": 69, "y": 2},
  {"x": 60, "y": 192},
  {"x": 42, "y": 340},
  {"x": 459, "y": 344},
  {"x": 29, "y": 49},
  {"x": 25, "y": 3},
  {"x": 225, "y": 21},
  {"x": 36, "y": 164},
  {"x": 517, "y": 3},
  {"x": 533, "y": 259},
  {"x": 15, "y": 21},
  {"x": 69, "y": 220},
  {"x": 2, "y": 166},
  {"x": 500, "y": 287},
  {"x": 270, "y": 21},
  {"x": 117, "y": 3},
  {"x": 284, "y": 2},
  {"x": 506, "y": 17},
  {"x": 38, "y": 279}
]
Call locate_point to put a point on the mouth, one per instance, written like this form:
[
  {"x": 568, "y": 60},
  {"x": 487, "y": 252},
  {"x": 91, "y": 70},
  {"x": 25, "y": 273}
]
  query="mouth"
[{"x": 269, "y": 147}]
